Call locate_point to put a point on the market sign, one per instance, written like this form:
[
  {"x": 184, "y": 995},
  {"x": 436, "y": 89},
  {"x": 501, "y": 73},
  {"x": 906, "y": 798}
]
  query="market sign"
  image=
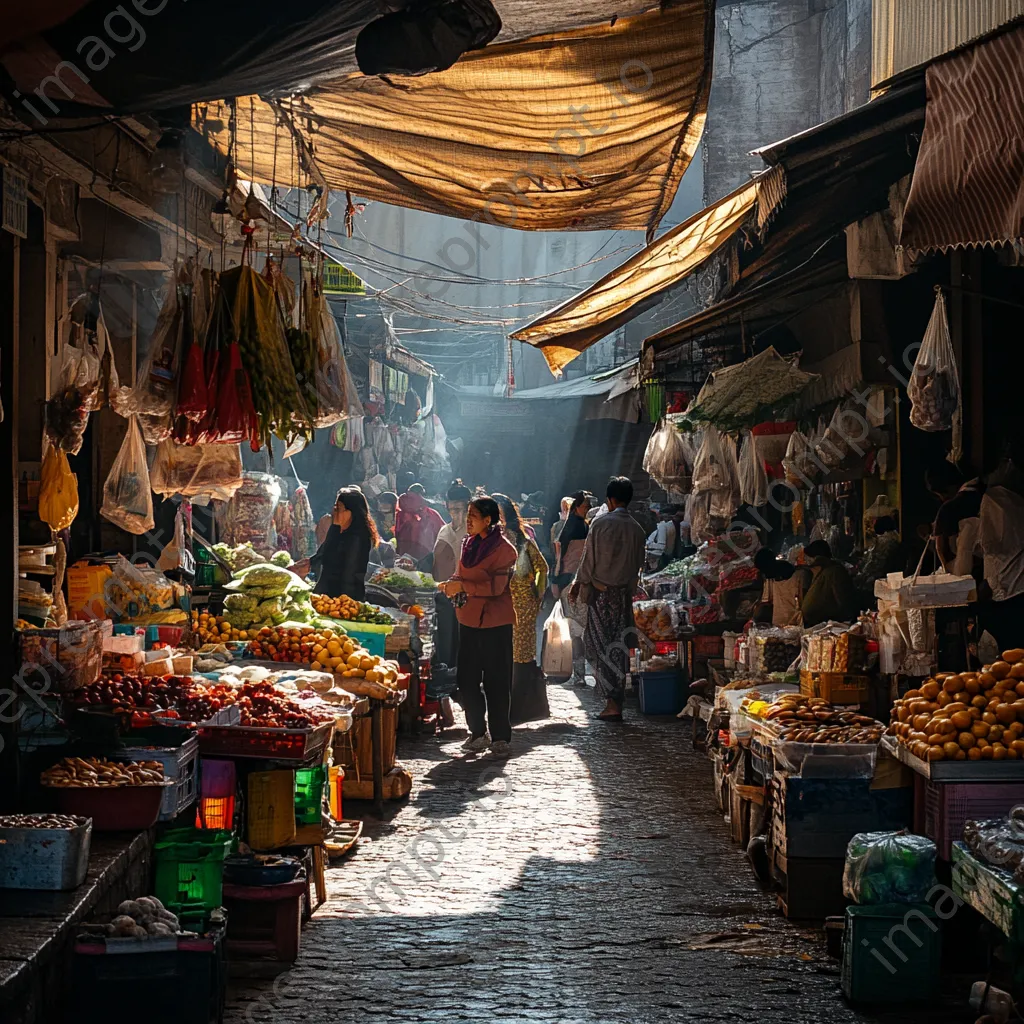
[
  {"x": 15, "y": 203},
  {"x": 339, "y": 280}
]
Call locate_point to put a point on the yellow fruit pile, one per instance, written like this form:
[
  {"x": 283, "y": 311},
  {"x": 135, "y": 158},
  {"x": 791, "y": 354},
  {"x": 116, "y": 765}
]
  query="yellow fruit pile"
[
  {"x": 214, "y": 629},
  {"x": 976, "y": 716}
]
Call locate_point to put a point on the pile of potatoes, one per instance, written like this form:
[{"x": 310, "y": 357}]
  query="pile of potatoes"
[{"x": 976, "y": 716}]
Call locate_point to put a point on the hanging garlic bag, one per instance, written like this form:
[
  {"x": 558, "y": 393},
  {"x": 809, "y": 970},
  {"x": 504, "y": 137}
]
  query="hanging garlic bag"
[
  {"x": 127, "y": 498},
  {"x": 753, "y": 479},
  {"x": 934, "y": 388}
]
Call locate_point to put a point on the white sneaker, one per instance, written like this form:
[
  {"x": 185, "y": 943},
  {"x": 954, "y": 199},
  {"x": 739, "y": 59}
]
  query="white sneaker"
[
  {"x": 475, "y": 744},
  {"x": 500, "y": 749}
]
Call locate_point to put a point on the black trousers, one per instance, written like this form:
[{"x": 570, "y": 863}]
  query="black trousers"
[{"x": 485, "y": 656}]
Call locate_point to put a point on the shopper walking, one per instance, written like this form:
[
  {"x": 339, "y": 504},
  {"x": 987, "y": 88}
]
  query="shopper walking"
[
  {"x": 486, "y": 616},
  {"x": 340, "y": 562},
  {"x": 606, "y": 581},
  {"x": 572, "y": 541},
  {"x": 528, "y": 584},
  {"x": 447, "y": 551}
]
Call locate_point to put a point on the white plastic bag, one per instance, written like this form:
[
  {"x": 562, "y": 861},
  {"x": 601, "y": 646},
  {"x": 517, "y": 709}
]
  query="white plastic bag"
[
  {"x": 753, "y": 479},
  {"x": 556, "y": 657},
  {"x": 714, "y": 469},
  {"x": 665, "y": 459},
  {"x": 934, "y": 388},
  {"x": 127, "y": 498}
]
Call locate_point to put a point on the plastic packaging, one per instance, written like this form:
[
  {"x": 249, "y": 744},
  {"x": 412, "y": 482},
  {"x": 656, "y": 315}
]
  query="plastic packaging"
[
  {"x": 58, "y": 490},
  {"x": 934, "y": 388},
  {"x": 753, "y": 479},
  {"x": 998, "y": 841},
  {"x": 557, "y": 649},
  {"x": 127, "y": 497},
  {"x": 712, "y": 469},
  {"x": 665, "y": 459},
  {"x": 249, "y": 516},
  {"x": 657, "y": 620},
  {"x": 204, "y": 470},
  {"x": 889, "y": 867},
  {"x": 156, "y": 385}
]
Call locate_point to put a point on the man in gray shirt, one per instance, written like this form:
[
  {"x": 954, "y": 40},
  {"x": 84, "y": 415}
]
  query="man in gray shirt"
[{"x": 606, "y": 581}]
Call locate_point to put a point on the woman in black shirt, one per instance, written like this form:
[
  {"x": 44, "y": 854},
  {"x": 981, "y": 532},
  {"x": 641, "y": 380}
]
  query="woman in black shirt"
[{"x": 340, "y": 562}]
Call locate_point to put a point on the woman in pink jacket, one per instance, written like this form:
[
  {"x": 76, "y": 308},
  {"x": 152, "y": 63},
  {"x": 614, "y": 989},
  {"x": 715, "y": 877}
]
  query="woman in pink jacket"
[{"x": 483, "y": 602}]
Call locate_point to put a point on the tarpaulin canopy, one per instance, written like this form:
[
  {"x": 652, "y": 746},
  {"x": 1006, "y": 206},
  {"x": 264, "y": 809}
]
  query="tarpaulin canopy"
[
  {"x": 607, "y": 383},
  {"x": 968, "y": 185},
  {"x": 571, "y": 328},
  {"x": 573, "y": 131},
  {"x": 157, "y": 54},
  {"x": 747, "y": 392}
]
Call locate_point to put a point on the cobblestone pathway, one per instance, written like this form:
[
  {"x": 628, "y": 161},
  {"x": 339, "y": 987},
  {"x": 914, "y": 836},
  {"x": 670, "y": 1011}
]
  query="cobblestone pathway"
[{"x": 589, "y": 879}]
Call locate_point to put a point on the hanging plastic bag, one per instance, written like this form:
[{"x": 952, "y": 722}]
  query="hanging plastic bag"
[
  {"x": 753, "y": 479},
  {"x": 156, "y": 385},
  {"x": 202, "y": 470},
  {"x": 58, "y": 490},
  {"x": 845, "y": 436},
  {"x": 236, "y": 419},
  {"x": 711, "y": 468},
  {"x": 120, "y": 398},
  {"x": 934, "y": 388},
  {"x": 665, "y": 458},
  {"x": 127, "y": 498}
]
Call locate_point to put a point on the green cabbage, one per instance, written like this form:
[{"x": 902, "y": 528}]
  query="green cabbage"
[{"x": 241, "y": 602}]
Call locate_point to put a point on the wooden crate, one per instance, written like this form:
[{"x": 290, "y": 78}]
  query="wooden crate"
[
  {"x": 354, "y": 749},
  {"x": 836, "y": 687}
]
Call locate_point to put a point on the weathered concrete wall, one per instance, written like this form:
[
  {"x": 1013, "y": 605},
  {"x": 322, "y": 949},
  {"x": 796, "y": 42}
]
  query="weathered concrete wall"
[{"x": 781, "y": 66}]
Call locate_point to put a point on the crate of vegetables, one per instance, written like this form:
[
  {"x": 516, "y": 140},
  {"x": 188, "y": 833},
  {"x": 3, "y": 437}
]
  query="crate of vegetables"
[
  {"x": 118, "y": 797},
  {"x": 265, "y": 742},
  {"x": 44, "y": 851}
]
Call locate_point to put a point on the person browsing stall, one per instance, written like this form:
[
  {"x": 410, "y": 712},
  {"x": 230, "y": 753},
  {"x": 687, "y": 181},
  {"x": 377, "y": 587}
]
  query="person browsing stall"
[
  {"x": 606, "y": 581},
  {"x": 784, "y": 588},
  {"x": 480, "y": 590},
  {"x": 831, "y": 596},
  {"x": 340, "y": 562}
]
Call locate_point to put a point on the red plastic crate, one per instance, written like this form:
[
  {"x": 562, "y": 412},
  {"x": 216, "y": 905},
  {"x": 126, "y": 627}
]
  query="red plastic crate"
[
  {"x": 112, "y": 808},
  {"x": 277, "y": 744},
  {"x": 948, "y": 805},
  {"x": 708, "y": 646},
  {"x": 264, "y": 921}
]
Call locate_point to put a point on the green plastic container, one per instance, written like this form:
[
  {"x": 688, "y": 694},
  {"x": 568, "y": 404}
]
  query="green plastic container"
[
  {"x": 190, "y": 869},
  {"x": 891, "y": 953},
  {"x": 309, "y": 795}
]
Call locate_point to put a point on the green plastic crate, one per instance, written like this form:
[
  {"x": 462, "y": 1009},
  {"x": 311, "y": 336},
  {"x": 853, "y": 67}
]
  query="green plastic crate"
[
  {"x": 309, "y": 795},
  {"x": 189, "y": 868},
  {"x": 891, "y": 953}
]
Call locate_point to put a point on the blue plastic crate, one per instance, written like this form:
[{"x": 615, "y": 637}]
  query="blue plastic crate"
[{"x": 661, "y": 693}]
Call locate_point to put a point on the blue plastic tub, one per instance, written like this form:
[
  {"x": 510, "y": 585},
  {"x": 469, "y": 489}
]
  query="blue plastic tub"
[{"x": 661, "y": 693}]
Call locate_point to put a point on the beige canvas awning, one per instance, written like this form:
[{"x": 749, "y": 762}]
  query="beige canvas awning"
[
  {"x": 571, "y": 328},
  {"x": 579, "y": 130}
]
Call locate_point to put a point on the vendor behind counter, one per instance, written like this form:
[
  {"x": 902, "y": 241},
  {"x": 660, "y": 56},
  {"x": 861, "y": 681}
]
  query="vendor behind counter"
[{"x": 831, "y": 595}]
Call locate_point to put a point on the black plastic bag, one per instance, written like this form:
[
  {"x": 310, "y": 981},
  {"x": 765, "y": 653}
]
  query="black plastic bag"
[{"x": 427, "y": 36}]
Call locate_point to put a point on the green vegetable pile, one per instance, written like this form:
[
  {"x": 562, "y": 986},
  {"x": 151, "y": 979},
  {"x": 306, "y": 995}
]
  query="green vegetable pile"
[
  {"x": 238, "y": 557},
  {"x": 266, "y": 595}
]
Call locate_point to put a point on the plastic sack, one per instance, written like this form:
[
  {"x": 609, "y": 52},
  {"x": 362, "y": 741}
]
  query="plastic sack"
[
  {"x": 193, "y": 400},
  {"x": 556, "y": 652},
  {"x": 303, "y": 525},
  {"x": 127, "y": 497},
  {"x": 58, "y": 490},
  {"x": 753, "y": 479},
  {"x": 665, "y": 459},
  {"x": 657, "y": 620},
  {"x": 845, "y": 435},
  {"x": 998, "y": 841},
  {"x": 934, "y": 387},
  {"x": 156, "y": 384},
  {"x": 202, "y": 470},
  {"x": 121, "y": 399},
  {"x": 713, "y": 470},
  {"x": 889, "y": 867}
]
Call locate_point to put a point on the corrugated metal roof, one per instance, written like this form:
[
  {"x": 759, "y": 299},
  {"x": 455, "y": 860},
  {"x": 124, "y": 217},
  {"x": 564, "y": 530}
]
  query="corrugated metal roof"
[{"x": 606, "y": 382}]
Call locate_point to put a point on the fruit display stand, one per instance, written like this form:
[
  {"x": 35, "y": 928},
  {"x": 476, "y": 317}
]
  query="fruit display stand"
[{"x": 381, "y": 748}]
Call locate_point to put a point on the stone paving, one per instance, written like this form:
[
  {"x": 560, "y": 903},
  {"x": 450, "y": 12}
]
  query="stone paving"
[{"x": 588, "y": 879}]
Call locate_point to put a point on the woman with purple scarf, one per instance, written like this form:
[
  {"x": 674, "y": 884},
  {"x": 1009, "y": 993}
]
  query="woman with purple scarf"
[{"x": 484, "y": 609}]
